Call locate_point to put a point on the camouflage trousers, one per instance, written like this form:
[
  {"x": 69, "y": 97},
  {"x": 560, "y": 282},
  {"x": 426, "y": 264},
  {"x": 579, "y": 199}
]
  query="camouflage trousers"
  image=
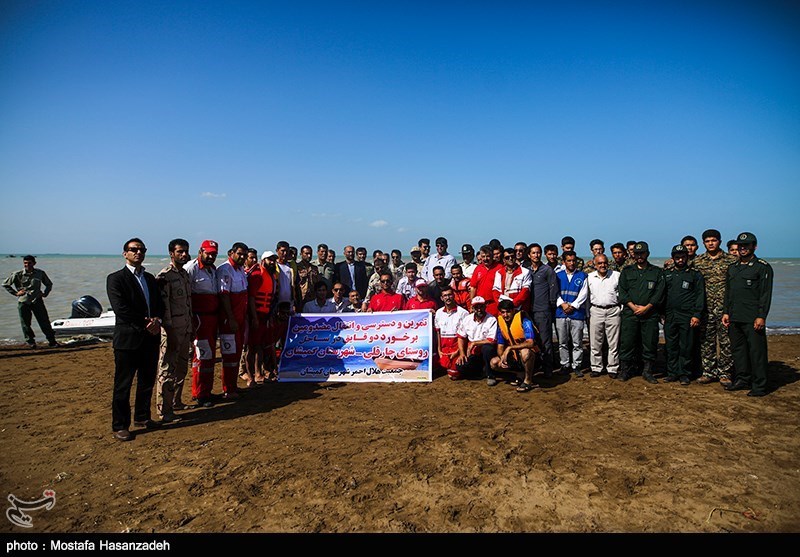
[
  {"x": 713, "y": 334},
  {"x": 173, "y": 364}
]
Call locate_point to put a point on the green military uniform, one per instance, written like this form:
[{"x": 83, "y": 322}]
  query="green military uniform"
[
  {"x": 748, "y": 295},
  {"x": 176, "y": 338},
  {"x": 716, "y": 363},
  {"x": 685, "y": 298},
  {"x": 31, "y": 303},
  {"x": 641, "y": 287}
]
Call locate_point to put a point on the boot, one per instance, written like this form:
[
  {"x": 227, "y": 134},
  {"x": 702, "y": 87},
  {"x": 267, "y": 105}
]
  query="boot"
[{"x": 647, "y": 373}]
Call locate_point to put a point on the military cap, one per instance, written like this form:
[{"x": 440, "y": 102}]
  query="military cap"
[
  {"x": 467, "y": 248},
  {"x": 415, "y": 248},
  {"x": 680, "y": 249},
  {"x": 746, "y": 238},
  {"x": 641, "y": 247}
]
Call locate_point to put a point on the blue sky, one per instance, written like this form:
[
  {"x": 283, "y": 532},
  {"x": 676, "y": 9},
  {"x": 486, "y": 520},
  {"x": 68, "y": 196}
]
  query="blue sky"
[{"x": 378, "y": 123}]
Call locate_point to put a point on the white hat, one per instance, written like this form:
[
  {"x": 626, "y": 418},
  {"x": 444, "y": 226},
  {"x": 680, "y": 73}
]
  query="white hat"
[
  {"x": 421, "y": 282},
  {"x": 478, "y": 300},
  {"x": 268, "y": 254}
]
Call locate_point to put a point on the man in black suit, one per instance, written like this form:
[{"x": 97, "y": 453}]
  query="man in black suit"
[
  {"x": 351, "y": 273},
  {"x": 138, "y": 308}
]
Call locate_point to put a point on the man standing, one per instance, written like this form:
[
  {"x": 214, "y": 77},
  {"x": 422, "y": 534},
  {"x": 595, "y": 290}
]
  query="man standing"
[
  {"x": 386, "y": 300},
  {"x": 544, "y": 291},
  {"x": 416, "y": 256},
  {"x": 568, "y": 244},
  {"x": 232, "y": 282},
  {"x": 446, "y": 323},
  {"x": 468, "y": 256},
  {"x": 460, "y": 285},
  {"x": 482, "y": 281},
  {"x": 26, "y": 285},
  {"x": 205, "y": 315},
  {"x": 605, "y": 313},
  {"x": 512, "y": 281},
  {"x": 396, "y": 266},
  {"x": 138, "y": 309},
  {"x": 287, "y": 276},
  {"x": 422, "y": 299},
  {"x": 571, "y": 314},
  {"x": 352, "y": 273},
  {"x": 685, "y": 298},
  {"x": 439, "y": 283},
  {"x": 597, "y": 247},
  {"x": 324, "y": 268},
  {"x": 406, "y": 285},
  {"x": 439, "y": 259},
  {"x": 733, "y": 248},
  {"x": 176, "y": 337},
  {"x": 307, "y": 277},
  {"x": 516, "y": 344},
  {"x": 641, "y": 291},
  {"x": 716, "y": 360},
  {"x": 620, "y": 255},
  {"x": 476, "y": 342},
  {"x": 361, "y": 257},
  {"x": 748, "y": 295},
  {"x": 262, "y": 284},
  {"x": 690, "y": 243},
  {"x": 551, "y": 255},
  {"x": 521, "y": 254},
  {"x": 374, "y": 282}
]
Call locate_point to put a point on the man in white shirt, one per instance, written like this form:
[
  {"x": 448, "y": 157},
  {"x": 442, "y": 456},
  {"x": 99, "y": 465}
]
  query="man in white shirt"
[
  {"x": 605, "y": 314},
  {"x": 477, "y": 344},
  {"x": 439, "y": 259},
  {"x": 468, "y": 255},
  {"x": 446, "y": 322}
]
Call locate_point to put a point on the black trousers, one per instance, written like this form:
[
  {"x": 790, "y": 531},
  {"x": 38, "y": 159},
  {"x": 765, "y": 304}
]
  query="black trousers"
[
  {"x": 129, "y": 363},
  {"x": 480, "y": 361},
  {"x": 749, "y": 354},
  {"x": 543, "y": 321},
  {"x": 38, "y": 310}
]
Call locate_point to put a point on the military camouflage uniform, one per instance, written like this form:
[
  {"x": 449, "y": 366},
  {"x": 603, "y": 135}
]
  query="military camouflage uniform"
[
  {"x": 176, "y": 338},
  {"x": 715, "y": 365},
  {"x": 612, "y": 264}
]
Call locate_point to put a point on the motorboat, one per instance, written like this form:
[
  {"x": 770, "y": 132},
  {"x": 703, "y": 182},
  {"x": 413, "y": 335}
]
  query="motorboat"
[{"x": 87, "y": 318}]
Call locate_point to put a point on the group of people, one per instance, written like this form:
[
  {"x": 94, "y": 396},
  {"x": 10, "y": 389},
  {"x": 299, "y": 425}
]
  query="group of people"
[{"x": 494, "y": 312}]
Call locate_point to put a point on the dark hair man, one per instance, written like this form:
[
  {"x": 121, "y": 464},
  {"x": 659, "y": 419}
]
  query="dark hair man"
[{"x": 26, "y": 285}]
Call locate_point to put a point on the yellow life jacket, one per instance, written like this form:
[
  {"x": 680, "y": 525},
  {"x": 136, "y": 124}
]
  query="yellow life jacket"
[{"x": 516, "y": 334}]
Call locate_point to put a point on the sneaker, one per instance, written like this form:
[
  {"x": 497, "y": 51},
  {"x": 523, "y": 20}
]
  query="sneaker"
[
  {"x": 491, "y": 381},
  {"x": 684, "y": 380}
]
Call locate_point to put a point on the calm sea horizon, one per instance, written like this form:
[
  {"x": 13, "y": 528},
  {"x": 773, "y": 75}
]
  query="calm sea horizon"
[{"x": 74, "y": 276}]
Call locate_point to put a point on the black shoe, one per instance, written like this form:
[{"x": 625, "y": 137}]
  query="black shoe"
[
  {"x": 756, "y": 393},
  {"x": 148, "y": 424},
  {"x": 32, "y": 345},
  {"x": 205, "y": 402},
  {"x": 737, "y": 386},
  {"x": 624, "y": 376},
  {"x": 123, "y": 435},
  {"x": 685, "y": 380},
  {"x": 594, "y": 374},
  {"x": 578, "y": 373},
  {"x": 548, "y": 373},
  {"x": 670, "y": 379},
  {"x": 649, "y": 378}
]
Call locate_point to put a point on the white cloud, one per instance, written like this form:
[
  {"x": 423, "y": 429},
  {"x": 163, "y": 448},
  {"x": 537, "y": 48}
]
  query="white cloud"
[
  {"x": 401, "y": 229},
  {"x": 378, "y": 223},
  {"x": 213, "y": 195}
]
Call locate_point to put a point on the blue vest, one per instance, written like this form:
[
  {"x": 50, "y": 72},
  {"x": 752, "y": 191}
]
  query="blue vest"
[{"x": 569, "y": 291}]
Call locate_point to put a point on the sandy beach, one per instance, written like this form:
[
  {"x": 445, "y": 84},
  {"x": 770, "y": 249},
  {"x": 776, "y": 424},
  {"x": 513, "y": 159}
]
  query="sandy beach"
[{"x": 576, "y": 455}]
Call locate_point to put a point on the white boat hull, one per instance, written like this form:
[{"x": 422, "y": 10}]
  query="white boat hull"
[{"x": 102, "y": 326}]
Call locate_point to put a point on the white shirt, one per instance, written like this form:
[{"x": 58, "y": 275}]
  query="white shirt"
[
  {"x": 447, "y": 323},
  {"x": 603, "y": 291},
  {"x": 583, "y": 293},
  {"x": 231, "y": 279},
  {"x": 446, "y": 261},
  {"x": 312, "y": 306},
  {"x": 285, "y": 278},
  {"x": 469, "y": 269},
  {"x": 473, "y": 330},
  {"x": 406, "y": 288},
  {"x": 513, "y": 283},
  {"x": 204, "y": 281}
]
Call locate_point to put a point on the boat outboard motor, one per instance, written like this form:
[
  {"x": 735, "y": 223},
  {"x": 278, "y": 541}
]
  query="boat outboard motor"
[{"x": 86, "y": 306}]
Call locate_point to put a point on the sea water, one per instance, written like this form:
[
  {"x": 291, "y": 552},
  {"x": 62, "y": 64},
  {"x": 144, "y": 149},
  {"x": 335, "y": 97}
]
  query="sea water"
[{"x": 74, "y": 276}]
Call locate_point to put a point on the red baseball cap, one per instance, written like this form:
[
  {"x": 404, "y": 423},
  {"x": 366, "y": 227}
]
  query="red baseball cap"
[{"x": 209, "y": 246}]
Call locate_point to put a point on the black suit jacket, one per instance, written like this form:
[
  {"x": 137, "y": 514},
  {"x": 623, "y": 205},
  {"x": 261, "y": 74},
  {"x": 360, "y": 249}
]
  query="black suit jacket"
[
  {"x": 342, "y": 274},
  {"x": 130, "y": 308}
]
